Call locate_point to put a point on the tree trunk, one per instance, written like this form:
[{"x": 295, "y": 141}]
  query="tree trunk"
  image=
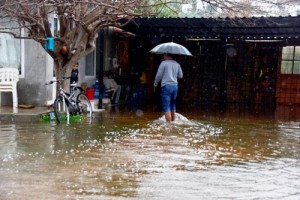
[
  {"x": 59, "y": 74},
  {"x": 65, "y": 59}
]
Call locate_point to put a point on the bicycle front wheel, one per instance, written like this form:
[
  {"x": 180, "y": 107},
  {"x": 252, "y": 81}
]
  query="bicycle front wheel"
[
  {"x": 84, "y": 105},
  {"x": 61, "y": 110}
]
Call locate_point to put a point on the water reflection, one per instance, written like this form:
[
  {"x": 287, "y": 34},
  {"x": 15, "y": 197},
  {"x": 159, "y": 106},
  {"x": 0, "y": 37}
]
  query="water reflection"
[{"x": 122, "y": 155}]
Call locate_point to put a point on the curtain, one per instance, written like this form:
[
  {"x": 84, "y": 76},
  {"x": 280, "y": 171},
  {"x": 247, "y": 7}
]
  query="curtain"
[{"x": 10, "y": 51}]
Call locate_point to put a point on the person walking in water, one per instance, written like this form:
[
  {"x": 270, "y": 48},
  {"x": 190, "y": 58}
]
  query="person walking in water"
[{"x": 168, "y": 73}]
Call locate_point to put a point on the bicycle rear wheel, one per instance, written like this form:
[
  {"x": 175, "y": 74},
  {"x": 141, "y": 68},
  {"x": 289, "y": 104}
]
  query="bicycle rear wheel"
[
  {"x": 84, "y": 105},
  {"x": 61, "y": 109}
]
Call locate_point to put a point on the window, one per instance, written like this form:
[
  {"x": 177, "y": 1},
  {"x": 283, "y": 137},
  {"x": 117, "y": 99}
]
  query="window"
[
  {"x": 55, "y": 27},
  {"x": 10, "y": 49},
  {"x": 290, "y": 63},
  {"x": 90, "y": 64}
]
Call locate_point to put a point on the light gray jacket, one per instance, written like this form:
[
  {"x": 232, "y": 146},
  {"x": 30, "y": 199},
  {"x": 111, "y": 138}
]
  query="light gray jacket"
[{"x": 168, "y": 72}]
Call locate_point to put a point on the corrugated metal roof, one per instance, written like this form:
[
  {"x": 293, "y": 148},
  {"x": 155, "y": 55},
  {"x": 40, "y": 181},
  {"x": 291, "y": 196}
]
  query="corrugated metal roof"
[{"x": 259, "y": 28}]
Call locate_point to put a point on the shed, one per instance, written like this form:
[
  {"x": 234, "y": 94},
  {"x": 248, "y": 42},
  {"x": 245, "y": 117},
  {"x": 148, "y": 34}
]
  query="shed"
[{"x": 240, "y": 64}]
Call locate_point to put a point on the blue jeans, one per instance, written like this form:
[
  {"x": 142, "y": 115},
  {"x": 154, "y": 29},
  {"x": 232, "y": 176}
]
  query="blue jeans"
[{"x": 168, "y": 97}]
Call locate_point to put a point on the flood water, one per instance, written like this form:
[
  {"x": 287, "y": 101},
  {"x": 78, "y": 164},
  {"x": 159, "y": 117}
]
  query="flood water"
[{"x": 135, "y": 155}]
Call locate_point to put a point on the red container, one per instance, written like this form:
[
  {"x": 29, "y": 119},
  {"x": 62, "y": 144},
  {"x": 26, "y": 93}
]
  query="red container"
[{"x": 90, "y": 93}]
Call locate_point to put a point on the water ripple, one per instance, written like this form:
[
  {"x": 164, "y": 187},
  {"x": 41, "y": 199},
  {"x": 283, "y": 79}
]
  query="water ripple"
[{"x": 141, "y": 157}]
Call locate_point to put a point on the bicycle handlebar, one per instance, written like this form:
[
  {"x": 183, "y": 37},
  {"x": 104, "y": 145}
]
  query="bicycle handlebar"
[{"x": 58, "y": 80}]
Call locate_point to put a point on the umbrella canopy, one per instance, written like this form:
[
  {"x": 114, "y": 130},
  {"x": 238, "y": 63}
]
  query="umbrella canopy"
[{"x": 171, "y": 48}]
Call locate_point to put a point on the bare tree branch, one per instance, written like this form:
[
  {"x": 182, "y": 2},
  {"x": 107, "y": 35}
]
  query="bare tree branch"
[{"x": 80, "y": 21}]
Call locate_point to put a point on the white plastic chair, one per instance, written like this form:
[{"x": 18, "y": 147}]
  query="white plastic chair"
[
  {"x": 9, "y": 78},
  {"x": 114, "y": 93}
]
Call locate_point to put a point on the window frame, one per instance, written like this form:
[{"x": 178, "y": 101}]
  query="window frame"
[
  {"x": 94, "y": 66},
  {"x": 22, "y": 73},
  {"x": 292, "y": 60}
]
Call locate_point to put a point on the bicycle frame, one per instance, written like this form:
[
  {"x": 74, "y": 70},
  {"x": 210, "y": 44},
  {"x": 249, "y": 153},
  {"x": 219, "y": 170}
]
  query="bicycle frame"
[
  {"x": 66, "y": 97},
  {"x": 65, "y": 106},
  {"x": 69, "y": 102}
]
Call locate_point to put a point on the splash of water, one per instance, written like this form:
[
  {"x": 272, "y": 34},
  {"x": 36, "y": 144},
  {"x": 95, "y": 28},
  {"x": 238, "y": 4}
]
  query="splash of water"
[{"x": 179, "y": 120}]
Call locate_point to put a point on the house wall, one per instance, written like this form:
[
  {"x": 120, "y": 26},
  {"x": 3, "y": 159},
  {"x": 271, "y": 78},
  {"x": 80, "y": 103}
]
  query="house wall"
[
  {"x": 104, "y": 54},
  {"x": 38, "y": 69},
  {"x": 81, "y": 76},
  {"x": 288, "y": 88}
]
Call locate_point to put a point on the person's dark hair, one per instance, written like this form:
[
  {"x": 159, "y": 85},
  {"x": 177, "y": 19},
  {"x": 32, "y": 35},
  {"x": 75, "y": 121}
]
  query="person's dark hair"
[{"x": 167, "y": 54}]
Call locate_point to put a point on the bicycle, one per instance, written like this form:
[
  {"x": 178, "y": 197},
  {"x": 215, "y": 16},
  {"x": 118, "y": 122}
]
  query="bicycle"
[{"x": 72, "y": 103}]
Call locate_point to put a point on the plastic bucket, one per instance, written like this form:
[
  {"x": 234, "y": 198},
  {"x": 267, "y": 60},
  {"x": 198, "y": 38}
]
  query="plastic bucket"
[{"x": 90, "y": 93}]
